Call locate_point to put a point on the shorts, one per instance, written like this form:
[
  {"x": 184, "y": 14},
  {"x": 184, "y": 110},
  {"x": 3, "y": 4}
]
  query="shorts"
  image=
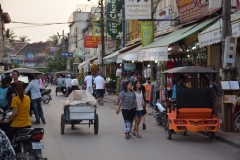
[
  {"x": 100, "y": 93},
  {"x": 144, "y": 111},
  {"x": 138, "y": 113}
]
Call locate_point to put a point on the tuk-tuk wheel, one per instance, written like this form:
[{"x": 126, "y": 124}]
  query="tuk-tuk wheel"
[
  {"x": 158, "y": 120},
  {"x": 168, "y": 132},
  {"x": 184, "y": 133},
  {"x": 211, "y": 135},
  {"x": 62, "y": 123},
  {"x": 96, "y": 124},
  {"x": 72, "y": 126}
]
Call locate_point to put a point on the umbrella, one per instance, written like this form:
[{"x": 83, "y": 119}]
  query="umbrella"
[
  {"x": 24, "y": 70},
  {"x": 189, "y": 70},
  {"x": 63, "y": 72}
]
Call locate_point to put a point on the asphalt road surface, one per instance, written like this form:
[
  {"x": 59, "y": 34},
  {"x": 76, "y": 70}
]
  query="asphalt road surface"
[{"x": 110, "y": 143}]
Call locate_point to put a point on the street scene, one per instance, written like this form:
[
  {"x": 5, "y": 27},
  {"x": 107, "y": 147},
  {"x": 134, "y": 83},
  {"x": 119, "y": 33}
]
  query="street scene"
[{"x": 119, "y": 79}]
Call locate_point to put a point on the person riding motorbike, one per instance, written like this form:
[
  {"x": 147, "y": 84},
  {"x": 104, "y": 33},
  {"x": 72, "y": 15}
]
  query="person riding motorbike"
[
  {"x": 74, "y": 86},
  {"x": 20, "y": 117}
]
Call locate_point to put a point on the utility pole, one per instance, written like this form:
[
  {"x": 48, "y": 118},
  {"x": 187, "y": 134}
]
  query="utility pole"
[
  {"x": 102, "y": 33},
  {"x": 76, "y": 37},
  {"x": 226, "y": 31},
  {"x": 63, "y": 45},
  {"x": 1, "y": 36}
]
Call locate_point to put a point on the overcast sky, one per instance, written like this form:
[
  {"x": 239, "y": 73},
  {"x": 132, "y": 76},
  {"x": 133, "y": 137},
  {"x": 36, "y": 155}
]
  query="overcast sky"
[{"x": 41, "y": 11}]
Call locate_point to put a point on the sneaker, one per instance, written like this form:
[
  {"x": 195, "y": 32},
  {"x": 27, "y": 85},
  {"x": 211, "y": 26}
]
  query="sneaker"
[
  {"x": 127, "y": 136},
  {"x": 143, "y": 126}
]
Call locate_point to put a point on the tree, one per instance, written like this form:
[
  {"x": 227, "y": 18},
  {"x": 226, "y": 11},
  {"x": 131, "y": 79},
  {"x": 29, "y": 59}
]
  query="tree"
[
  {"x": 54, "y": 40},
  {"x": 58, "y": 63},
  {"x": 23, "y": 39},
  {"x": 10, "y": 35}
]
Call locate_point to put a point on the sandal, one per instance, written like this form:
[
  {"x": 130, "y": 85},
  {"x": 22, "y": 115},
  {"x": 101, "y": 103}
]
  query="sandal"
[
  {"x": 133, "y": 133},
  {"x": 127, "y": 136},
  {"x": 139, "y": 136}
]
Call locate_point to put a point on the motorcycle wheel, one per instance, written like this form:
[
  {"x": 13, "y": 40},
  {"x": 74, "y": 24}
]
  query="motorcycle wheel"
[
  {"x": 62, "y": 123},
  {"x": 184, "y": 133},
  {"x": 237, "y": 122},
  {"x": 47, "y": 99},
  {"x": 211, "y": 135},
  {"x": 158, "y": 120},
  {"x": 163, "y": 119},
  {"x": 96, "y": 124}
]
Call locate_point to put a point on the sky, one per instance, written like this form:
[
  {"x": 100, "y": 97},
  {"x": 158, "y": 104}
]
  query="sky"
[{"x": 41, "y": 11}]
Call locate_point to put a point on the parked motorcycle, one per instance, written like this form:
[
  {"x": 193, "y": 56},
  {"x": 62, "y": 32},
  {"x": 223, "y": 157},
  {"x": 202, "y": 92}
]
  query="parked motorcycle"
[
  {"x": 26, "y": 142},
  {"x": 111, "y": 87},
  {"x": 236, "y": 113},
  {"x": 46, "y": 96},
  {"x": 161, "y": 113}
]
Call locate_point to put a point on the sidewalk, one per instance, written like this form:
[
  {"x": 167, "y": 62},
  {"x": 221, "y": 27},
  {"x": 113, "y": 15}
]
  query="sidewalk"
[{"x": 231, "y": 138}]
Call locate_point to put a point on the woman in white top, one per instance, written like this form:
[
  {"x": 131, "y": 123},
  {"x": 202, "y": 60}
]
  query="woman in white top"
[{"x": 140, "y": 104}]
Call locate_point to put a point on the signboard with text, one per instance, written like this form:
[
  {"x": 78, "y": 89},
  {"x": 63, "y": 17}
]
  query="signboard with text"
[
  {"x": 146, "y": 33},
  {"x": 164, "y": 14},
  {"x": 29, "y": 60},
  {"x": 91, "y": 41},
  {"x": 154, "y": 54},
  {"x": 138, "y": 9},
  {"x": 67, "y": 54}
]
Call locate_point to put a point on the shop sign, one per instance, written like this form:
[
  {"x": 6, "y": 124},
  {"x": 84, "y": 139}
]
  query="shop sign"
[
  {"x": 79, "y": 52},
  {"x": 229, "y": 98},
  {"x": 114, "y": 10},
  {"x": 164, "y": 14},
  {"x": 129, "y": 66},
  {"x": 215, "y": 36},
  {"x": 154, "y": 54},
  {"x": 138, "y": 9},
  {"x": 110, "y": 60},
  {"x": 29, "y": 60},
  {"x": 91, "y": 41},
  {"x": 67, "y": 54},
  {"x": 131, "y": 57},
  {"x": 146, "y": 33}
]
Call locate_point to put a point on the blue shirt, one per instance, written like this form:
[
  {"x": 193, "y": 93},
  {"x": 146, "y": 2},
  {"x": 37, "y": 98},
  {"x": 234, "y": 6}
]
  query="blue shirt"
[
  {"x": 33, "y": 86},
  {"x": 174, "y": 93}
]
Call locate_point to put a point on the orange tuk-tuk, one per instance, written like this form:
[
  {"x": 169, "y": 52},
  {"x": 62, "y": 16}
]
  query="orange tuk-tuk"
[{"x": 193, "y": 108}]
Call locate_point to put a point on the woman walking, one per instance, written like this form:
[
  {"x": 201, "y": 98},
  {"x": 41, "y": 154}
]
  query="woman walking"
[
  {"x": 41, "y": 82},
  {"x": 140, "y": 103},
  {"x": 129, "y": 106}
]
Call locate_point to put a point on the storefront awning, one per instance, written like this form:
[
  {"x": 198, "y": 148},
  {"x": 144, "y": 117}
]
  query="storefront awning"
[
  {"x": 213, "y": 34},
  {"x": 158, "y": 50},
  {"x": 83, "y": 63},
  {"x": 112, "y": 58},
  {"x": 131, "y": 55}
]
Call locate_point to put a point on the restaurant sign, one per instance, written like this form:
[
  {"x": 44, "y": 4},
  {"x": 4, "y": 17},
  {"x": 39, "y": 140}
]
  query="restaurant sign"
[
  {"x": 91, "y": 41},
  {"x": 138, "y": 9}
]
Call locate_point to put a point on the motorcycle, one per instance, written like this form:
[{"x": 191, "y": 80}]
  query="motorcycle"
[
  {"x": 236, "y": 113},
  {"x": 161, "y": 113},
  {"x": 46, "y": 96},
  {"x": 26, "y": 142},
  {"x": 111, "y": 87}
]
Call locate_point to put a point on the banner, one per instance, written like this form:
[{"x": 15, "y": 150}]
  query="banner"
[
  {"x": 146, "y": 33},
  {"x": 96, "y": 25},
  {"x": 29, "y": 60},
  {"x": 154, "y": 54},
  {"x": 91, "y": 41},
  {"x": 138, "y": 9},
  {"x": 114, "y": 12},
  {"x": 164, "y": 14}
]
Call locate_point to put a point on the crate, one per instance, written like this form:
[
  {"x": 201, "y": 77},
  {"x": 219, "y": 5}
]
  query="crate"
[{"x": 82, "y": 112}]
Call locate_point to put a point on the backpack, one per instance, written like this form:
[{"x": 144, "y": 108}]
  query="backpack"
[{"x": 3, "y": 97}]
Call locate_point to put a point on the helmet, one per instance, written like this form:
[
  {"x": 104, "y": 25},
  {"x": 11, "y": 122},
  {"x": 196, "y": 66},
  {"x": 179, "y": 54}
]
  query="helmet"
[
  {"x": 74, "y": 82},
  {"x": 69, "y": 76}
]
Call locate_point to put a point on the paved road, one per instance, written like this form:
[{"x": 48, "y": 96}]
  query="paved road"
[{"x": 109, "y": 144}]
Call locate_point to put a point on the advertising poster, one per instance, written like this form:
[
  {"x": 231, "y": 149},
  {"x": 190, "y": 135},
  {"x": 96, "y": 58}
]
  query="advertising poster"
[
  {"x": 114, "y": 12},
  {"x": 96, "y": 17},
  {"x": 138, "y": 9},
  {"x": 91, "y": 41},
  {"x": 29, "y": 60},
  {"x": 146, "y": 33}
]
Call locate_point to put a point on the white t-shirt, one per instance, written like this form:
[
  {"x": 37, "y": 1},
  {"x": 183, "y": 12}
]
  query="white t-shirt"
[
  {"x": 68, "y": 82},
  {"x": 88, "y": 80},
  {"x": 99, "y": 81},
  {"x": 139, "y": 99}
]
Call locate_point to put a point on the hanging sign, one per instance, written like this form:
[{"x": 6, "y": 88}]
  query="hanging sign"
[
  {"x": 67, "y": 54},
  {"x": 154, "y": 54},
  {"x": 146, "y": 33},
  {"x": 164, "y": 14},
  {"x": 138, "y": 9},
  {"x": 91, "y": 41},
  {"x": 129, "y": 66},
  {"x": 229, "y": 99}
]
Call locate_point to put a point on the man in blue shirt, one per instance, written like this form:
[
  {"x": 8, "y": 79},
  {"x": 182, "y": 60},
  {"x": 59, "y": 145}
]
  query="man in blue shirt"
[
  {"x": 180, "y": 84},
  {"x": 33, "y": 86}
]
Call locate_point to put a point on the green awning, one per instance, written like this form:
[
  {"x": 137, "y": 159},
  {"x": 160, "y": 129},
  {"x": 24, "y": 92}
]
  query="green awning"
[{"x": 179, "y": 34}]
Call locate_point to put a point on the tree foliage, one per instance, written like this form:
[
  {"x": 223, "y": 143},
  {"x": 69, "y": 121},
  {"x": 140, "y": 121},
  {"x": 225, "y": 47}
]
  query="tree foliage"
[
  {"x": 10, "y": 35},
  {"x": 23, "y": 39},
  {"x": 57, "y": 63},
  {"x": 54, "y": 40}
]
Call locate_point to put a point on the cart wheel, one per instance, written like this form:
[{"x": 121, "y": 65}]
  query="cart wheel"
[
  {"x": 96, "y": 124},
  {"x": 168, "y": 133},
  {"x": 62, "y": 123},
  {"x": 72, "y": 126},
  {"x": 184, "y": 133},
  {"x": 211, "y": 135},
  {"x": 158, "y": 121},
  {"x": 163, "y": 119}
]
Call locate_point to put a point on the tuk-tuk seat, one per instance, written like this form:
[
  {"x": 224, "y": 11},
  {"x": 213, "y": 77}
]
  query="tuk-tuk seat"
[{"x": 194, "y": 103}]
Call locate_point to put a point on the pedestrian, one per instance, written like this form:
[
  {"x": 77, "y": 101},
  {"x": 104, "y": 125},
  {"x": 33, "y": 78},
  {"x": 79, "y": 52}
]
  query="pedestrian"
[
  {"x": 84, "y": 83},
  {"x": 144, "y": 111},
  {"x": 41, "y": 83},
  {"x": 6, "y": 150},
  {"x": 15, "y": 75},
  {"x": 140, "y": 103},
  {"x": 129, "y": 106},
  {"x": 89, "y": 83},
  {"x": 6, "y": 93},
  {"x": 133, "y": 77},
  {"x": 36, "y": 99},
  {"x": 100, "y": 85},
  {"x": 20, "y": 117}
]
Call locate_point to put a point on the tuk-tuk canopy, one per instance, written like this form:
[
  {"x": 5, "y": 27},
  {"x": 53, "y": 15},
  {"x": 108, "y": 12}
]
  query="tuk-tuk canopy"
[
  {"x": 189, "y": 70},
  {"x": 24, "y": 70},
  {"x": 64, "y": 72}
]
